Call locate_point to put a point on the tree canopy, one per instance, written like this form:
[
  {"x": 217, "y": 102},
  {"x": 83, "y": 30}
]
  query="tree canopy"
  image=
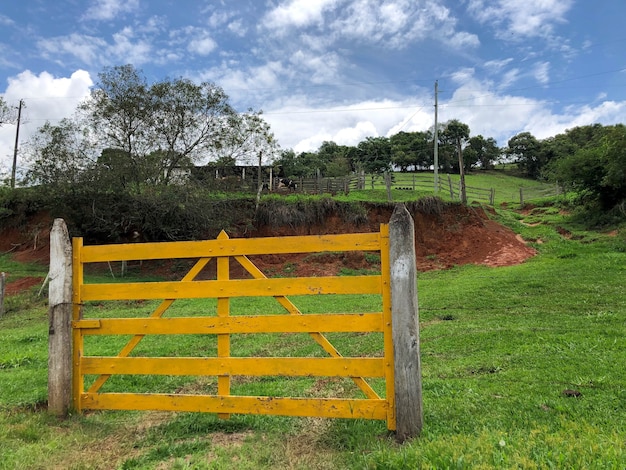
[{"x": 129, "y": 133}]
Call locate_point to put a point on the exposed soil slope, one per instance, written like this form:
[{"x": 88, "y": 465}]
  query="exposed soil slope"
[{"x": 456, "y": 236}]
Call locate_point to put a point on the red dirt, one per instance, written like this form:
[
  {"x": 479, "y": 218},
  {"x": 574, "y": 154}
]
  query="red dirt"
[
  {"x": 461, "y": 235},
  {"x": 19, "y": 285}
]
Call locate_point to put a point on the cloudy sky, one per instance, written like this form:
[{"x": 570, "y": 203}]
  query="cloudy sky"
[{"x": 338, "y": 70}]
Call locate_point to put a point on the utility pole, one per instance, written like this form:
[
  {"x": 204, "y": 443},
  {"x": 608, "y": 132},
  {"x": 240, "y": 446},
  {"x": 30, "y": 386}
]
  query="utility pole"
[
  {"x": 17, "y": 136},
  {"x": 436, "y": 139}
]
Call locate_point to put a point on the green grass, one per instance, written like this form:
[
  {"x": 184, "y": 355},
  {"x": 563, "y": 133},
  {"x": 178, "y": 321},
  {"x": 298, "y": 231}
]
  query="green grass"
[
  {"x": 499, "y": 348},
  {"x": 506, "y": 187}
]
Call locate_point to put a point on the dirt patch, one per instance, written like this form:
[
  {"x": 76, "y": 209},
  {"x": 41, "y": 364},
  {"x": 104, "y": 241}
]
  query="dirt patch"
[
  {"x": 457, "y": 235},
  {"x": 19, "y": 285}
]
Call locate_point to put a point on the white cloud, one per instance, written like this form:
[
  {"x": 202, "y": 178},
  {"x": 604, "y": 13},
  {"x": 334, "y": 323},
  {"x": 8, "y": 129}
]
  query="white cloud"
[
  {"x": 104, "y": 10},
  {"x": 126, "y": 47},
  {"x": 497, "y": 65},
  {"x": 319, "y": 68},
  {"x": 296, "y": 13},
  {"x": 521, "y": 18},
  {"x": 541, "y": 72},
  {"x": 392, "y": 24},
  {"x": 87, "y": 49},
  {"x": 6, "y": 21},
  {"x": 303, "y": 126},
  {"x": 238, "y": 28},
  {"x": 462, "y": 40},
  {"x": 46, "y": 98},
  {"x": 202, "y": 45},
  {"x": 509, "y": 78}
]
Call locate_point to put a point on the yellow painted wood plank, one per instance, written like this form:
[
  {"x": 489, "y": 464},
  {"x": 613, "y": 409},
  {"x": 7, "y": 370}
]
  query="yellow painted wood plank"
[
  {"x": 388, "y": 349},
  {"x": 233, "y": 288},
  {"x": 223, "y": 311},
  {"x": 349, "y": 322},
  {"x": 231, "y": 247},
  {"x": 228, "y": 366},
  {"x": 78, "y": 384},
  {"x": 157, "y": 313},
  {"x": 318, "y": 407},
  {"x": 86, "y": 324}
]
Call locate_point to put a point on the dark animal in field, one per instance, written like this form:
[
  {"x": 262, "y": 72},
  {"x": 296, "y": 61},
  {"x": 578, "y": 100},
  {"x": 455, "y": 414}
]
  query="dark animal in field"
[{"x": 287, "y": 183}]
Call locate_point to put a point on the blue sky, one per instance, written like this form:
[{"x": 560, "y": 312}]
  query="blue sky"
[{"x": 338, "y": 70}]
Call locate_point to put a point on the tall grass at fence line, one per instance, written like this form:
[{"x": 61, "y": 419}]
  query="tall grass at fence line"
[{"x": 521, "y": 369}]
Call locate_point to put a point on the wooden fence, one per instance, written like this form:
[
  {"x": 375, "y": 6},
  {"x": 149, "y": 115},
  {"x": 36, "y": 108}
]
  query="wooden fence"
[
  {"x": 399, "y": 181},
  {"x": 398, "y": 361},
  {"x": 2, "y": 292}
]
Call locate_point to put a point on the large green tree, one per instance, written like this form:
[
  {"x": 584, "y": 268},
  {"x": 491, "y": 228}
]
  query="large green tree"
[
  {"x": 480, "y": 150},
  {"x": 598, "y": 171},
  {"x": 337, "y": 158},
  {"x": 375, "y": 154},
  {"x": 525, "y": 150},
  {"x": 60, "y": 155},
  {"x": 412, "y": 149}
]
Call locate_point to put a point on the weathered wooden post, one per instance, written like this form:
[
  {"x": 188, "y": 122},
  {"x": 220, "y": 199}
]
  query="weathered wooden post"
[
  {"x": 405, "y": 325},
  {"x": 3, "y": 280},
  {"x": 60, "y": 321},
  {"x": 451, "y": 188}
]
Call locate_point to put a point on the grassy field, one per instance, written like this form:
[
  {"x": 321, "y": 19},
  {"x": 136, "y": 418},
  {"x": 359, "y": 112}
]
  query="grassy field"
[
  {"x": 523, "y": 367},
  {"x": 505, "y": 185}
]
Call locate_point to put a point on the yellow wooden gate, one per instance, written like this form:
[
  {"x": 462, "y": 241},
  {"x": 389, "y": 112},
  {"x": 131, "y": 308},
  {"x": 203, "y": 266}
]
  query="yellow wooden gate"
[{"x": 98, "y": 369}]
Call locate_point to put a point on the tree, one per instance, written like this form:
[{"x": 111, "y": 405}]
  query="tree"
[
  {"x": 243, "y": 137},
  {"x": 411, "y": 149},
  {"x": 186, "y": 121},
  {"x": 481, "y": 150},
  {"x": 59, "y": 154},
  {"x": 164, "y": 128},
  {"x": 375, "y": 154},
  {"x": 525, "y": 150},
  {"x": 597, "y": 172},
  {"x": 7, "y": 115},
  {"x": 337, "y": 158}
]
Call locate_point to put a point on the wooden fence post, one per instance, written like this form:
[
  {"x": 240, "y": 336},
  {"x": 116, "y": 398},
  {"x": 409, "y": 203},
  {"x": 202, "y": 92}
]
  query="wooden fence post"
[
  {"x": 405, "y": 325},
  {"x": 60, "y": 321},
  {"x": 3, "y": 280},
  {"x": 451, "y": 188}
]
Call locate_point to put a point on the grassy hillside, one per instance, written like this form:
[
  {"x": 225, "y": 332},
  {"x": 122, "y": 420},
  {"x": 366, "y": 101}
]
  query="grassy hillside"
[
  {"x": 408, "y": 186},
  {"x": 522, "y": 368}
]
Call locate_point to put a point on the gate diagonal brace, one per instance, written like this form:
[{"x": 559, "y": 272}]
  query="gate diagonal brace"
[
  {"x": 157, "y": 313},
  {"x": 318, "y": 337}
]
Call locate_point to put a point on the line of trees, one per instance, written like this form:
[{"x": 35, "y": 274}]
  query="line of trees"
[
  {"x": 406, "y": 151},
  {"x": 130, "y": 135},
  {"x": 589, "y": 160}
]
